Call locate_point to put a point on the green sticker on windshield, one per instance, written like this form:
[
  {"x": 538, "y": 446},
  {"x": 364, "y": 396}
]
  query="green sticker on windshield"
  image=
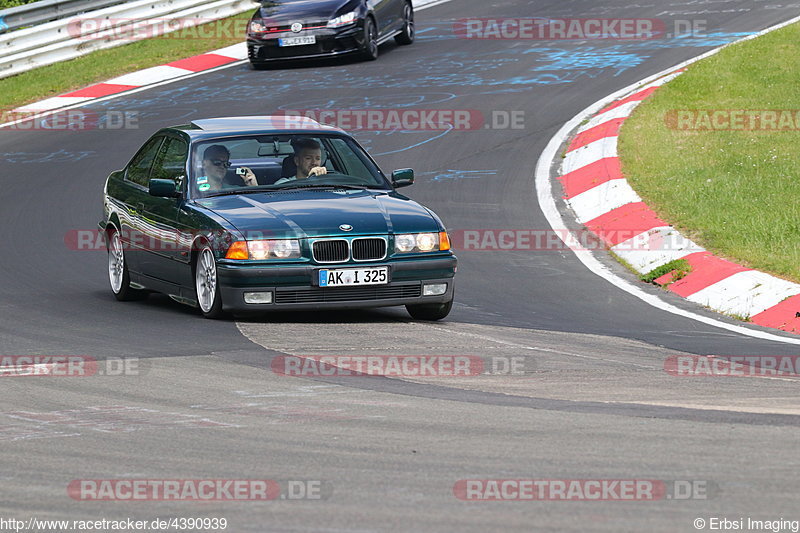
[{"x": 204, "y": 187}]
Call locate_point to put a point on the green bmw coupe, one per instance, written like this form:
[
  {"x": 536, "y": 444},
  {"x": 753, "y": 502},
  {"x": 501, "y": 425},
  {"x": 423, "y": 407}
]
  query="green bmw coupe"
[{"x": 244, "y": 214}]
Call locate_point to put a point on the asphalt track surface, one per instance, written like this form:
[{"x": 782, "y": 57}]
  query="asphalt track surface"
[{"x": 594, "y": 402}]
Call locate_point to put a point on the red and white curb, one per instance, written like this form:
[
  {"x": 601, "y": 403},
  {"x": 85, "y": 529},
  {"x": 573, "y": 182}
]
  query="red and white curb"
[
  {"x": 606, "y": 204},
  {"x": 142, "y": 78},
  {"x": 714, "y": 282}
]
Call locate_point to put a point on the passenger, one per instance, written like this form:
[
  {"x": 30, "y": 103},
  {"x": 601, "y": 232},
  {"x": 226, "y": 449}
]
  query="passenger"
[
  {"x": 216, "y": 162},
  {"x": 307, "y": 159}
]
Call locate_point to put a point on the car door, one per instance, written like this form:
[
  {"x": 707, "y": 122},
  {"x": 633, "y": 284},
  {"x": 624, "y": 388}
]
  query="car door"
[
  {"x": 159, "y": 215},
  {"x": 133, "y": 196},
  {"x": 384, "y": 15}
]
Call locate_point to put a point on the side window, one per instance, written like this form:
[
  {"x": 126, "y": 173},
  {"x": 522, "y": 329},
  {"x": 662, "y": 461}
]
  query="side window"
[
  {"x": 353, "y": 165},
  {"x": 139, "y": 168},
  {"x": 170, "y": 164}
]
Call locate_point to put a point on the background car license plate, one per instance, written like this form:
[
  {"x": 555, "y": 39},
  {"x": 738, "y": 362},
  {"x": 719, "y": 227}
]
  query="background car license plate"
[
  {"x": 353, "y": 276},
  {"x": 297, "y": 41}
]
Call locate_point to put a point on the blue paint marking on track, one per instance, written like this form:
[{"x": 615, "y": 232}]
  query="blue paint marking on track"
[
  {"x": 553, "y": 63},
  {"x": 417, "y": 144},
  {"x": 454, "y": 175},
  {"x": 60, "y": 156}
]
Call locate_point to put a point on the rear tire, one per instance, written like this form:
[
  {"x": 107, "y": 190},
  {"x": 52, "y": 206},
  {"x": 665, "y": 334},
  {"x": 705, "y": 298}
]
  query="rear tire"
[
  {"x": 369, "y": 50},
  {"x": 430, "y": 311},
  {"x": 209, "y": 297},
  {"x": 118, "y": 270},
  {"x": 408, "y": 33}
]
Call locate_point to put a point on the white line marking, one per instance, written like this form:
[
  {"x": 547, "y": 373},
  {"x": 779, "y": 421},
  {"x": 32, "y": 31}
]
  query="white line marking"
[{"x": 547, "y": 203}]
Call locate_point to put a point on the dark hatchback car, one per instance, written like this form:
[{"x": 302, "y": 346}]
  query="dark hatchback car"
[
  {"x": 223, "y": 214},
  {"x": 298, "y": 29}
]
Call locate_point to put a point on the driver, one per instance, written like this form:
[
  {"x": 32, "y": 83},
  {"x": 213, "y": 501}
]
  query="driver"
[
  {"x": 308, "y": 159},
  {"x": 216, "y": 161}
]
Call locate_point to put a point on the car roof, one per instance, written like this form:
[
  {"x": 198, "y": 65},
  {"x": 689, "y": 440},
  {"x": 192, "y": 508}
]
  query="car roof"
[{"x": 266, "y": 124}]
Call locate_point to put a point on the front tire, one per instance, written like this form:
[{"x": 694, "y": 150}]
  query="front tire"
[
  {"x": 209, "y": 297},
  {"x": 430, "y": 311},
  {"x": 118, "y": 270},
  {"x": 408, "y": 33},
  {"x": 369, "y": 50}
]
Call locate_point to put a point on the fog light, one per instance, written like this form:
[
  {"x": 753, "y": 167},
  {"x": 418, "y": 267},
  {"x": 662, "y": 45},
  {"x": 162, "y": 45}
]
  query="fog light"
[
  {"x": 258, "y": 297},
  {"x": 435, "y": 289}
]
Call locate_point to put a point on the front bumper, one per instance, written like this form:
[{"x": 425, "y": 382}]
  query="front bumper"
[
  {"x": 293, "y": 287},
  {"x": 330, "y": 43}
]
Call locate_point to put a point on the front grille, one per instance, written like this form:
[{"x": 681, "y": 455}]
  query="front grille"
[
  {"x": 331, "y": 251},
  {"x": 343, "y": 294},
  {"x": 369, "y": 249},
  {"x": 288, "y": 28}
]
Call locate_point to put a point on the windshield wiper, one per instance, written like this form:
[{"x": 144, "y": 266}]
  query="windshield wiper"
[
  {"x": 242, "y": 190},
  {"x": 324, "y": 185}
]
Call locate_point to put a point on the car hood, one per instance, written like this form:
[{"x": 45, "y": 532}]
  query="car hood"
[
  {"x": 296, "y": 213},
  {"x": 290, "y": 11}
]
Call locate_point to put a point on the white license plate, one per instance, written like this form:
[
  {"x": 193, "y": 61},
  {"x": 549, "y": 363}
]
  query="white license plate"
[
  {"x": 297, "y": 41},
  {"x": 354, "y": 276}
]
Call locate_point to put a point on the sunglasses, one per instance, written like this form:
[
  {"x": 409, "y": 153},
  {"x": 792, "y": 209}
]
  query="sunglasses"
[{"x": 220, "y": 163}]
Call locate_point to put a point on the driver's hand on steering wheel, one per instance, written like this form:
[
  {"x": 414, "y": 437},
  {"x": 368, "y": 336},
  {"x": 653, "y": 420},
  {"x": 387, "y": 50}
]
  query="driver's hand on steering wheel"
[{"x": 317, "y": 171}]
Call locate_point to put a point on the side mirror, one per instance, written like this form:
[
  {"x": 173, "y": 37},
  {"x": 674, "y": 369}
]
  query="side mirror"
[
  {"x": 402, "y": 178},
  {"x": 164, "y": 189}
]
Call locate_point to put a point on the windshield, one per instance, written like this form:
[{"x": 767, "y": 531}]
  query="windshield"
[{"x": 272, "y": 162}]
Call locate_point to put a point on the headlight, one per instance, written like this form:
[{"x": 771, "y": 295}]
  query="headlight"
[
  {"x": 257, "y": 26},
  {"x": 265, "y": 249},
  {"x": 427, "y": 241},
  {"x": 404, "y": 243},
  {"x": 421, "y": 242},
  {"x": 343, "y": 20}
]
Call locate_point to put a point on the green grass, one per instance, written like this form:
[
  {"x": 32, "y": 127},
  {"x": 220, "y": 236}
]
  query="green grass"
[
  {"x": 680, "y": 268},
  {"x": 5, "y": 4},
  {"x": 736, "y": 193},
  {"x": 99, "y": 66}
]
